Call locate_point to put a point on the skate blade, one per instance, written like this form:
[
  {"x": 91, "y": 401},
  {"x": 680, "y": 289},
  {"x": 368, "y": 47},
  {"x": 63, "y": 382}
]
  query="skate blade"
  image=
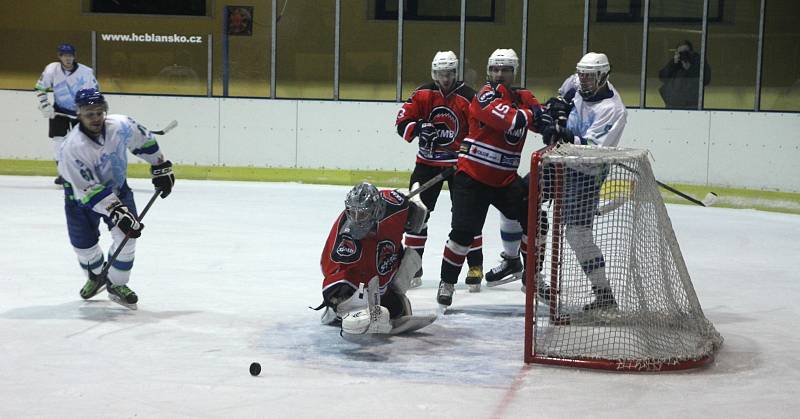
[
  {"x": 506, "y": 280},
  {"x": 117, "y": 300},
  {"x": 443, "y": 309},
  {"x": 99, "y": 290},
  {"x": 474, "y": 287}
]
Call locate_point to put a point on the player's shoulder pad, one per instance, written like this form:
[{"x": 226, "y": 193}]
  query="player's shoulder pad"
[
  {"x": 424, "y": 89},
  {"x": 394, "y": 200},
  {"x": 487, "y": 94},
  {"x": 346, "y": 249},
  {"x": 466, "y": 92}
]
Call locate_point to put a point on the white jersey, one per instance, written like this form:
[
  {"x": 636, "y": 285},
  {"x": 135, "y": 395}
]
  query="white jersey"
[
  {"x": 65, "y": 84},
  {"x": 96, "y": 169},
  {"x": 599, "y": 121}
]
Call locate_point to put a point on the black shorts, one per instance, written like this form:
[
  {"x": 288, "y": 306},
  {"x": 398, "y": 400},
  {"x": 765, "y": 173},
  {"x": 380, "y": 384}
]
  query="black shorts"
[
  {"x": 60, "y": 126},
  {"x": 471, "y": 200}
]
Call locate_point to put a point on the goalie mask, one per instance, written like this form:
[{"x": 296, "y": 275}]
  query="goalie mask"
[
  {"x": 592, "y": 71},
  {"x": 444, "y": 68},
  {"x": 502, "y": 66},
  {"x": 364, "y": 207}
]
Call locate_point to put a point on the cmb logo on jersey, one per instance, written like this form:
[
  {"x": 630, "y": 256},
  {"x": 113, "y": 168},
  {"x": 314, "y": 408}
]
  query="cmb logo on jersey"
[
  {"x": 346, "y": 249},
  {"x": 386, "y": 257},
  {"x": 446, "y": 123}
]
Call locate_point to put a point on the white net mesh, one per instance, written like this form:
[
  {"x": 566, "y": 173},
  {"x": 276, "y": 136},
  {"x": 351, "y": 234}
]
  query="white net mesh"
[{"x": 620, "y": 291}]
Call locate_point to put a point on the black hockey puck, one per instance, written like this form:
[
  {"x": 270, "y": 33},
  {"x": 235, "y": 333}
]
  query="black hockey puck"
[{"x": 255, "y": 369}]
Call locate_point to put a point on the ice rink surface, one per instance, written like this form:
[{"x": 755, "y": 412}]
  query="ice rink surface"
[{"x": 225, "y": 272}]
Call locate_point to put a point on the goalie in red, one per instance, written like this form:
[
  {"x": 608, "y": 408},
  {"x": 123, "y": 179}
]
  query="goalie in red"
[{"x": 366, "y": 270}]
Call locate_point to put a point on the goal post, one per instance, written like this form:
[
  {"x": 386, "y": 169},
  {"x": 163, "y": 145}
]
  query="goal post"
[{"x": 620, "y": 295}]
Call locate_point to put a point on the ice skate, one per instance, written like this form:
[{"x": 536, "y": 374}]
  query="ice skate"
[
  {"x": 474, "y": 277},
  {"x": 604, "y": 300},
  {"x": 93, "y": 286},
  {"x": 542, "y": 289},
  {"x": 122, "y": 295},
  {"x": 509, "y": 270},
  {"x": 445, "y": 295}
]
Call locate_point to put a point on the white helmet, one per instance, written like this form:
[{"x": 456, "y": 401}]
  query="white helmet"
[
  {"x": 444, "y": 60},
  {"x": 596, "y": 66},
  {"x": 503, "y": 58}
]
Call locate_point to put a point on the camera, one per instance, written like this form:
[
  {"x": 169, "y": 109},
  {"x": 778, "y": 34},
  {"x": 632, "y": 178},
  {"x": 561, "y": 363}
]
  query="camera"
[{"x": 684, "y": 55}]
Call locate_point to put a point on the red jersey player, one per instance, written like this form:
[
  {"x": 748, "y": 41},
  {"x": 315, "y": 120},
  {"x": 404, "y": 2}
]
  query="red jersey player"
[
  {"x": 438, "y": 114},
  {"x": 363, "y": 246},
  {"x": 500, "y": 117}
]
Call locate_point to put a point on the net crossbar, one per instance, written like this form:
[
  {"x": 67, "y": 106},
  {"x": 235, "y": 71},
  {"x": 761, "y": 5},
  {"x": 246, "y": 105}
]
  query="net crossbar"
[{"x": 620, "y": 295}]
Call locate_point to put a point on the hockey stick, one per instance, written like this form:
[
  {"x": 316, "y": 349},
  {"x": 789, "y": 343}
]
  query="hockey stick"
[
  {"x": 708, "y": 201},
  {"x": 434, "y": 180},
  {"x": 162, "y": 131},
  {"x": 113, "y": 257},
  {"x": 166, "y": 129}
]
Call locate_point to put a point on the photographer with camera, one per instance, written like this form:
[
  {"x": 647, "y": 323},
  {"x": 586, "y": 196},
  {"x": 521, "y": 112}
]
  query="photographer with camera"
[{"x": 681, "y": 77}]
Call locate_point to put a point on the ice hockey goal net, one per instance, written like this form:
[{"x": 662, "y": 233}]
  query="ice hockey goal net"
[{"x": 620, "y": 295}]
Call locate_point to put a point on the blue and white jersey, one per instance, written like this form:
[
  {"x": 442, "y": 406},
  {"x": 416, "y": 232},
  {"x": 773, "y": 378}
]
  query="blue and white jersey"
[
  {"x": 65, "y": 84},
  {"x": 598, "y": 121},
  {"x": 95, "y": 169}
]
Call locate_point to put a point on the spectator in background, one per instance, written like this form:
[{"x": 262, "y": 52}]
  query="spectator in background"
[{"x": 681, "y": 78}]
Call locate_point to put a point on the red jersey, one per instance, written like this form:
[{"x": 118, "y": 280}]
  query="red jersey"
[
  {"x": 351, "y": 261},
  {"x": 449, "y": 114},
  {"x": 499, "y": 121}
]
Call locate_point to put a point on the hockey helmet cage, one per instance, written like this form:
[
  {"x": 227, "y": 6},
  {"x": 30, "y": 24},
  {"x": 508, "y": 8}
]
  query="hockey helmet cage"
[
  {"x": 592, "y": 70},
  {"x": 364, "y": 207}
]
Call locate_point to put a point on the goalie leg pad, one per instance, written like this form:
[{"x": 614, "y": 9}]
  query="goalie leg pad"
[
  {"x": 409, "y": 266},
  {"x": 362, "y": 321}
]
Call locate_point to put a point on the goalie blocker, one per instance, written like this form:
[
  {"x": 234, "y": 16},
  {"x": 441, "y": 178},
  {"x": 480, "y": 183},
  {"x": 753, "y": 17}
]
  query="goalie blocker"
[{"x": 366, "y": 270}]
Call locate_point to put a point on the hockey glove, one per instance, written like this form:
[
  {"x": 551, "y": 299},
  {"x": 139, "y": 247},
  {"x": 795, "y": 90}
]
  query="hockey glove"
[
  {"x": 124, "y": 219},
  {"x": 427, "y": 135},
  {"x": 558, "y": 108},
  {"x": 163, "y": 178},
  {"x": 547, "y": 127},
  {"x": 44, "y": 105}
]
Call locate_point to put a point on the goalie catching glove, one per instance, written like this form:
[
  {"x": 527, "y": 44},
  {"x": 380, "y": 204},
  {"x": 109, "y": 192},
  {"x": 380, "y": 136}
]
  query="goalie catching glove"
[
  {"x": 125, "y": 220},
  {"x": 163, "y": 178}
]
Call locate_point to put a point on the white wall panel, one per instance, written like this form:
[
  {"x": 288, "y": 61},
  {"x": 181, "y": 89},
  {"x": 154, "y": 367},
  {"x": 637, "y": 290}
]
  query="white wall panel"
[
  {"x": 745, "y": 149},
  {"x": 677, "y": 140},
  {"x": 194, "y": 141},
  {"x": 351, "y": 135},
  {"x": 755, "y": 150},
  {"x": 24, "y": 129},
  {"x": 258, "y": 132}
]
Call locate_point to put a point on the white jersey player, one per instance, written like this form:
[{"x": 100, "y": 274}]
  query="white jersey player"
[
  {"x": 64, "y": 78},
  {"x": 596, "y": 116},
  {"x": 94, "y": 165}
]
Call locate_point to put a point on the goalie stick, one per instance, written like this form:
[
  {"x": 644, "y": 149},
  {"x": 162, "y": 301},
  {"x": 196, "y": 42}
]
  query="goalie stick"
[{"x": 162, "y": 131}]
